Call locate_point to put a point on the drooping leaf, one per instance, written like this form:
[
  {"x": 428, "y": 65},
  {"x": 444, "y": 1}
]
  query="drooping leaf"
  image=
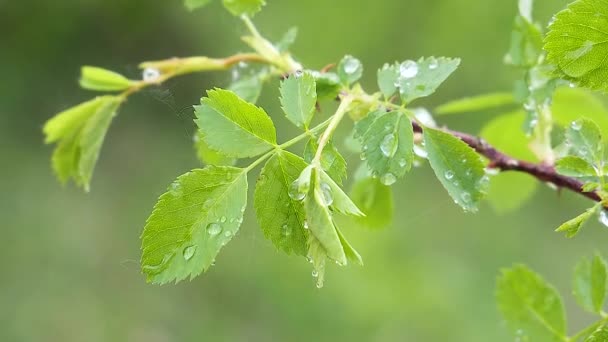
[
  {"x": 209, "y": 156},
  {"x": 573, "y": 166},
  {"x": 94, "y": 78},
  {"x": 586, "y": 140},
  {"x": 375, "y": 200},
  {"x": 422, "y": 78},
  {"x": 248, "y": 88},
  {"x": 350, "y": 70},
  {"x": 531, "y": 307},
  {"x": 298, "y": 98},
  {"x": 573, "y": 226},
  {"x": 79, "y": 133},
  {"x": 200, "y": 213},
  {"x": 457, "y": 166},
  {"x": 331, "y": 160},
  {"x": 240, "y": 7},
  {"x": 590, "y": 283},
  {"x": 388, "y": 78},
  {"x": 599, "y": 335},
  {"x": 194, "y": 4},
  {"x": 576, "y": 43},
  {"x": 281, "y": 217},
  {"x": 476, "y": 103},
  {"x": 234, "y": 127},
  {"x": 388, "y": 142}
]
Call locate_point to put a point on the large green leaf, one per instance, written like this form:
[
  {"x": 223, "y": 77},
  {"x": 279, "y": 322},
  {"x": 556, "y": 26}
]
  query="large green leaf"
[
  {"x": 577, "y": 42},
  {"x": 573, "y": 226},
  {"x": 590, "y": 283},
  {"x": 422, "y": 78},
  {"x": 280, "y": 216},
  {"x": 240, "y": 7},
  {"x": 531, "y": 307},
  {"x": 387, "y": 141},
  {"x": 79, "y": 133},
  {"x": 94, "y": 78},
  {"x": 298, "y": 98},
  {"x": 376, "y": 202},
  {"x": 234, "y": 127},
  {"x": 457, "y": 166},
  {"x": 200, "y": 213}
]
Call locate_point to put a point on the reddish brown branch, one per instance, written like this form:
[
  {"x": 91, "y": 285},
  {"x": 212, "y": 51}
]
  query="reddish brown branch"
[{"x": 503, "y": 162}]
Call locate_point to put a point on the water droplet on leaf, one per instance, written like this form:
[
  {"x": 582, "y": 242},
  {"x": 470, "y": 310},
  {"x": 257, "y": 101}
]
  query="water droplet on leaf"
[
  {"x": 388, "y": 179},
  {"x": 408, "y": 69},
  {"x": 213, "y": 229},
  {"x": 189, "y": 252},
  {"x": 327, "y": 196},
  {"x": 389, "y": 145},
  {"x": 449, "y": 174},
  {"x": 150, "y": 74}
]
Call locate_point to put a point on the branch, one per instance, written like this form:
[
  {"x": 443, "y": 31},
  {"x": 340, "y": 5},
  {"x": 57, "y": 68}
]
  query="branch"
[{"x": 503, "y": 162}]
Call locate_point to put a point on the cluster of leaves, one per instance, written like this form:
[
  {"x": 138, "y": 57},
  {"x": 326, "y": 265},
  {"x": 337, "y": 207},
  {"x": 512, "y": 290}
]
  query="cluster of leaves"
[{"x": 534, "y": 311}]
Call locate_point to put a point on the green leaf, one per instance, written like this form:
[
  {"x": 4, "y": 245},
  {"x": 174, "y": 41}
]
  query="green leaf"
[
  {"x": 586, "y": 140},
  {"x": 375, "y": 201},
  {"x": 526, "y": 43},
  {"x": 299, "y": 98},
  {"x": 287, "y": 40},
  {"x": 194, "y": 4},
  {"x": 99, "y": 79},
  {"x": 573, "y": 166},
  {"x": 599, "y": 335},
  {"x": 576, "y": 43},
  {"x": 234, "y": 127},
  {"x": 590, "y": 282},
  {"x": 248, "y": 88},
  {"x": 476, "y": 103},
  {"x": 338, "y": 198},
  {"x": 573, "y": 226},
  {"x": 457, "y": 166},
  {"x": 422, "y": 78},
  {"x": 531, "y": 307},
  {"x": 200, "y": 213},
  {"x": 350, "y": 70},
  {"x": 388, "y": 77},
  {"x": 240, "y": 7},
  {"x": 328, "y": 85},
  {"x": 331, "y": 160},
  {"x": 388, "y": 142},
  {"x": 351, "y": 254},
  {"x": 79, "y": 132},
  {"x": 281, "y": 217},
  {"x": 510, "y": 190},
  {"x": 208, "y": 156},
  {"x": 571, "y": 104}
]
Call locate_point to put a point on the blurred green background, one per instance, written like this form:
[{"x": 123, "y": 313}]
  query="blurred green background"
[{"x": 69, "y": 261}]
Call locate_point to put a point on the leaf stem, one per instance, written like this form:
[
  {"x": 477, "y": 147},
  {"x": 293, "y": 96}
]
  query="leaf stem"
[
  {"x": 333, "y": 124},
  {"x": 588, "y": 330}
]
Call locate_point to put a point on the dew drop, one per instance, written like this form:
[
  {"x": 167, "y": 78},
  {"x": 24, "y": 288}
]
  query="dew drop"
[
  {"x": 603, "y": 218},
  {"x": 388, "y": 179},
  {"x": 315, "y": 273},
  {"x": 223, "y": 219},
  {"x": 295, "y": 193},
  {"x": 213, "y": 229},
  {"x": 286, "y": 230},
  {"x": 576, "y": 125},
  {"x": 492, "y": 171},
  {"x": 150, "y": 74},
  {"x": 227, "y": 234},
  {"x": 299, "y": 73},
  {"x": 189, "y": 252},
  {"x": 305, "y": 224},
  {"x": 420, "y": 151},
  {"x": 351, "y": 65},
  {"x": 388, "y": 145},
  {"x": 433, "y": 63},
  {"x": 402, "y": 162},
  {"x": 449, "y": 174},
  {"x": 408, "y": 69},
  {"x": 327, "y": 195},
  {"x": 466, "y": 197}
]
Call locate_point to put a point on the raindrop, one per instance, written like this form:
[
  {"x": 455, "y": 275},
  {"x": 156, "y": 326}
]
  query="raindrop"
[
  {"x": 449, "y": 174},
  {"x": 286, "y": 230},
  {"x": 603, "y": 218},
  {"x": 408, "y": 69},
  {"x": 299, "y": 73},
  {"x": 189, "y": 252},
  {"x": 315, "y": 273},
  {"x": 492, "y": 171},
  {"x": 227, "y": 233},
  {"x": 351, "y": 65},
  {"x": 466, "y": 197},
  {"x": 576, "y": 125},
  {"x": 150, "y": 74},
  {"x": 362, "y": 156},
  {"x": 295, "y": 193},
  {"x": 402, "y": 162},
  {"x": 388, "y": 179},
  {"x": 213, "y": 229},
  {"x": 388, "y": 145},
  {"x": 328, "y": 197},
  {"x": 420, "y": 152},
  {"x": 305, "y": 224},
  {"x": 223, "y": 219},
  {"x": 433, "y": 63}
]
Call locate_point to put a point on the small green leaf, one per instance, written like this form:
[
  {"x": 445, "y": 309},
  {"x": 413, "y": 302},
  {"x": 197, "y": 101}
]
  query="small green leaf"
[
  {"x": 599, "y": 335},
  {"x": 576, "y": 43},
  {"x": 351, "y": 254},
  {"x": 287, "y": 40},
  {"x": 422, "y": 78},
  {"x": 299, "y": 98},
  {"x": 510, "y": 190},
  {"x": 350, "y": 70},
  {"x": 586, "y": 140},
  {"x": 590, "y": 282},
  {"x": 234, "y": 127},
  {"x": 375, "y": 201},
  {"x": 338, "y": 198},
  {"x": 388, "y": 78},
  {"x": 476, "y": 103},
  {"x": 387, "y": 141},
  {"x": 201, "y": 212},
  {"x": 99, "y": 79},
  {"x": 526, "y": 43},
  {"x": 331, "y": 160},
  {"x": 328, "y": 85},
  {"x": 208, "y": 156},
  {"x": 457, "y": 166},
  {"x": 531, "y": 307},
  {"x": 573, "y": 166},
  {"x": 194, "y": 4},
  {"x": 240, "y": 7},
  {"x": 281, "y": 217},
  {"x": 573, "y": 226},
  {"x": 248, "y": 88}
]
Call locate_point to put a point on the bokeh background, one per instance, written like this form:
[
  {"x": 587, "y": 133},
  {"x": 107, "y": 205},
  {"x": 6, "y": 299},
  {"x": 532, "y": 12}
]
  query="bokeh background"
[{"x": 69, "y": 261}]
